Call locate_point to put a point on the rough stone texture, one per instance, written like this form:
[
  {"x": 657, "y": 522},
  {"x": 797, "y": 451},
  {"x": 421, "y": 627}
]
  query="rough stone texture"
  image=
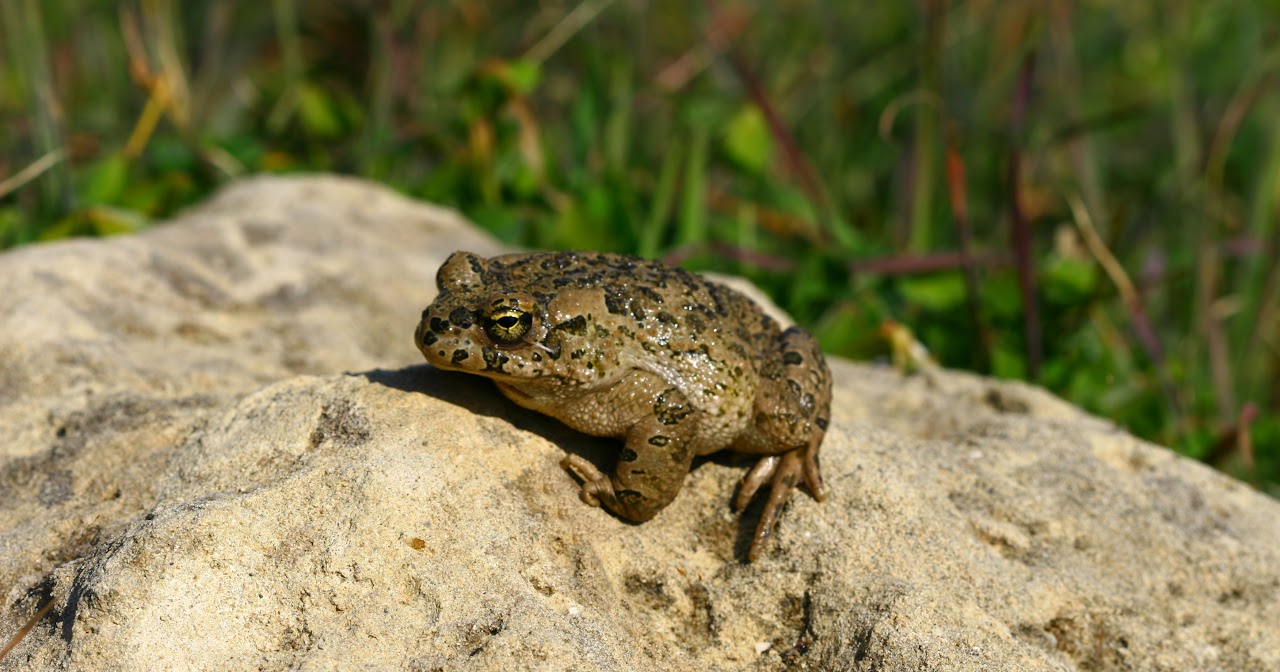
[{"x": 218, "y": 450}]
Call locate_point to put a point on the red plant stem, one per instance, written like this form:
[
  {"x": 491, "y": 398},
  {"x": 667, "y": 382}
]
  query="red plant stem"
[
  {"x": 960, "y": 215},
  {"x": 796, "y": 161},
  {"x": 923, "y": 263},
  {"x": 1244, "y": 441},
  {"x": 1021, "y": 230}
]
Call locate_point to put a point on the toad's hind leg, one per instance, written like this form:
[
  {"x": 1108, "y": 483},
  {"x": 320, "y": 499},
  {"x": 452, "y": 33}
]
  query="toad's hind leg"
[{"x": 792, "y": 409}]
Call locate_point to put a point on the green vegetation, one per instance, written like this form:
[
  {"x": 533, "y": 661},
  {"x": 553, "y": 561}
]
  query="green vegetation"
[{"x": 1083, "y": 194}]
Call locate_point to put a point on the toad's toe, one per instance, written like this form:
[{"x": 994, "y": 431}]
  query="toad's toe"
[{"x": 787, "y": 471}]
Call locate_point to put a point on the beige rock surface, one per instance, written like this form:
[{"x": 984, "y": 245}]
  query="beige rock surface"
[{"x": 218, "y": 451}]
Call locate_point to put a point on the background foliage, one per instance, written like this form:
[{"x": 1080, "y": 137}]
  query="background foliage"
[{"x": 1082, "y": 194}]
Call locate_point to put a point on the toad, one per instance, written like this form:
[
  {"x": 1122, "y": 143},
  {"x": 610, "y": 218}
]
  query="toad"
[{"x": 675, "y": 365}]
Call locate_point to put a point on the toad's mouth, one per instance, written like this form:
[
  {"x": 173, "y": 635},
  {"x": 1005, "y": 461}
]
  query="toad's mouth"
[{"x": 513, "y": 393}]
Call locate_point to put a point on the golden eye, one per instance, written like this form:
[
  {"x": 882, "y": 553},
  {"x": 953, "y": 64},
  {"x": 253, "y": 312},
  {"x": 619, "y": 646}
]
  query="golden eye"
[{"x": 507, "y": 324}]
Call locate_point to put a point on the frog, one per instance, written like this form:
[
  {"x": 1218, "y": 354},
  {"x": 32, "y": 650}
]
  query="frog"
[{"x": 675, "y": 365}]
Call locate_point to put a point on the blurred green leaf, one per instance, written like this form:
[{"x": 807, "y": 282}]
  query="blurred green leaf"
[
  {"x": 693, "y": 207},
  {"x": 937, "y": 292},
  {"x": 747, "y": 139},
  {"x": 170, "y": 155},
  {"x": 318, "y": 112},
  {"x": 11, "y": 226},
  {"x": 105, "y": 180},
  {"x": 1196, "y": 444},
  {"x": 504, "y": 222},
  {"x": 850, "y": 239},
  {"x": 1068, "y": 281},
  {"x": 662, "y": 204},
  {"x": 850, "y": 330},
  {"x": 582, "y": 225},
  {"x": 98, "y": 220},
  {"x": 705, "y": 113},
  {"x": 150, "y": 197},
  {"x": 521, "y": 76},
  {"x": 1001, "y": 296},
  {"x": 791, "y": 202},
  {"x": 1007, "y": 363},
  {"x": 108, "y": 221},
  {"x": 247, "y": 149},
  {"x": 71, "y": 225}
]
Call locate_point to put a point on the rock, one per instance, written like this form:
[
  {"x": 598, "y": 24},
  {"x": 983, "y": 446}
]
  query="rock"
[{"x": 220, "y": 451}]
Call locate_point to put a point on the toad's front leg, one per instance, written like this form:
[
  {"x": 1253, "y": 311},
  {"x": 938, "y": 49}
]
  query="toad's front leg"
[{"x": 651, "y": 466}]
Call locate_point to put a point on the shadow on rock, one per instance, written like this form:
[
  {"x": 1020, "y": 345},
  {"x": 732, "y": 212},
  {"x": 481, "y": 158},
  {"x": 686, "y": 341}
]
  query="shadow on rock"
[{"x": 482, "y": 398}]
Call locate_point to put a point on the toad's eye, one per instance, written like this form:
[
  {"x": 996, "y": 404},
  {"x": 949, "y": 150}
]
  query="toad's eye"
[{"x": 507, "y": 324}]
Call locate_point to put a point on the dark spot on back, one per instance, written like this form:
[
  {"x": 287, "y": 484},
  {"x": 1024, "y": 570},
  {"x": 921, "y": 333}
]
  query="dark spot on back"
[
  {"x": 614, "y": 302},
  {"x": 649, "y": 294}
]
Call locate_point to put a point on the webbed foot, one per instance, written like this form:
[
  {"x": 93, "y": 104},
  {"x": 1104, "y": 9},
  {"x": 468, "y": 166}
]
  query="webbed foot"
[{"x": 782, "y": 472}]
